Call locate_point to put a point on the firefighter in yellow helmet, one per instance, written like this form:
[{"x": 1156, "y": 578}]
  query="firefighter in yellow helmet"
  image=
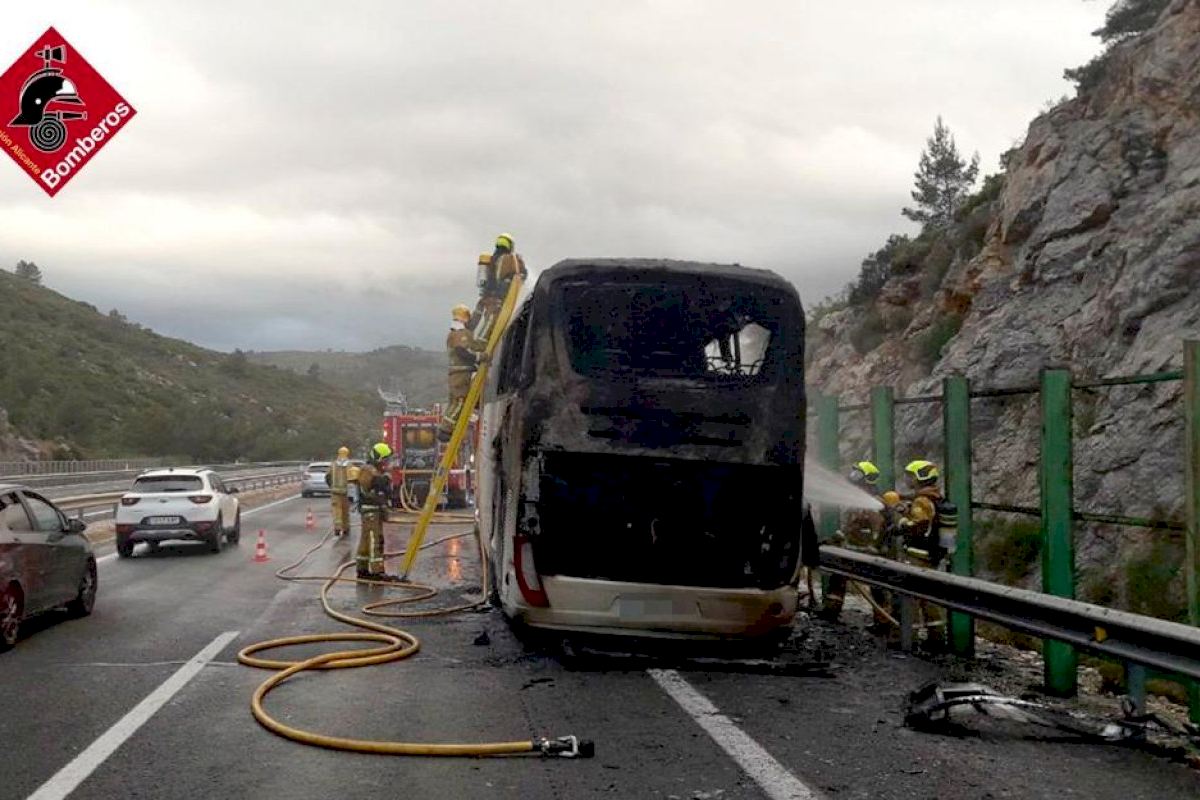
[
  {"x": 338, "y": 479},
  {"x": 499, "y": 269},
  {"x": 374, "y": 497},
  {"x": 927, "y": 529},
  {"x": 861, "y": 529},
  {"x": 464, "y": 352}
]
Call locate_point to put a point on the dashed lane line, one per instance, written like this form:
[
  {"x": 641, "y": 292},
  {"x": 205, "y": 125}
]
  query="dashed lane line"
[
  {"x": 771, "y": 776},
  {"x": 69, "y": 777}
]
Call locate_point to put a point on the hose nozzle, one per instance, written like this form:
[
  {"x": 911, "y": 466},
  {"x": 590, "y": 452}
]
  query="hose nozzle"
[{"x": 565, "y": 747}]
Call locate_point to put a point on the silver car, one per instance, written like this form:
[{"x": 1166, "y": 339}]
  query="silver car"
[
  {"x": 313, "y": 482},
  {"x": 45, "y": 561}
]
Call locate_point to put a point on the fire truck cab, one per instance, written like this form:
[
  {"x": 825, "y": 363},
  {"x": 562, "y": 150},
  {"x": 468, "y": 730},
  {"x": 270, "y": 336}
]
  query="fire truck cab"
[{"x": 416, "y": 453}]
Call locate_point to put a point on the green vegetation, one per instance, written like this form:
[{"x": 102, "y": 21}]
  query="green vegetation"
[
  {"x": 1007, "y": 548},
  {"x": 419, "y": 374},
  {"x": 1124, "y": 20},
  {"x": 930, "y": 344},
  {"x": 1153, "y": 583},
  {"x": 943, "y": 180},
  {"x": 29, "y": 271},
  {"x": 106, "y": 387}
]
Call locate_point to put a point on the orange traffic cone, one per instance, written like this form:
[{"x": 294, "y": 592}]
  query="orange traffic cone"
[
  {"x": 260, "y": 549},
  {"x": 309, "y": 521}
]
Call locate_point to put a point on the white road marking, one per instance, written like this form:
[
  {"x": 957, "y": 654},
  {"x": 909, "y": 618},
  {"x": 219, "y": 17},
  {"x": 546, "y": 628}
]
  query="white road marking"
[
  {"x": 247, "y": 513},
  {"x": 69, "y": 777},
  {"x": 771, "y": 776}
]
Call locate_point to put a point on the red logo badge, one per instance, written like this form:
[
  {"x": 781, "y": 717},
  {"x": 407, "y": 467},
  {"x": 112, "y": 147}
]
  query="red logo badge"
[{"x": 56, "y": 112}]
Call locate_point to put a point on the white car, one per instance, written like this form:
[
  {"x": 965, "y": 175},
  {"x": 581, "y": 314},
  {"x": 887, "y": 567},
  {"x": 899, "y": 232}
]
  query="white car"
[{"x": 178, "y": 505}]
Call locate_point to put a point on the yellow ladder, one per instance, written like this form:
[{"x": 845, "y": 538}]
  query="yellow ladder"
[{"x": 442, "y": 474}]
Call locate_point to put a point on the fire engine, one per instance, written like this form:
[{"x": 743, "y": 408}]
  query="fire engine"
[{"x": 416, "y": 453}]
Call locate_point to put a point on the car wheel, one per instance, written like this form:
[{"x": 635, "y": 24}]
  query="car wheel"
[
  {"x": 305, "y": 494},
  {"x": 85, "y": 600},
  {"x": 12, "y": 606},
  {"x": 235, "y": 535},
  {"x": 124, "y": 547},
  {"x": 153, "y": 546},
  {"x": 217, "y": 537}
]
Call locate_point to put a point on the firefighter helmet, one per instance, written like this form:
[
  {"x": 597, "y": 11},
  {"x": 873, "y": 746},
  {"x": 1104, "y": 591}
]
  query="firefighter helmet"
[
  {"x": 923, "y": 472},
  {"x": 864, "y": 472},
  {"x": 460, "y": 313},
  {"x": 504, "y": 241},
  {"x": 485, "y": 259},
  {"x": 380, "y": 451},
  {"x": 343, "y": 452}
]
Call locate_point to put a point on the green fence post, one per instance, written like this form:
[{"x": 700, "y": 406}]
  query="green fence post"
[
  {"x": 1191, "y": 410},
  {"x": 828, "y": 432},
  {"x": 1058, "y": 544},
  {"x": 883, "y": 435},
  {"x": 956, "y": 420}
]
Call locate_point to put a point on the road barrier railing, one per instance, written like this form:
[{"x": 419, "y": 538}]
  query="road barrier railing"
[
  {"x": 1056, "y": 511},
  {"x": 1169, "y": 647}
]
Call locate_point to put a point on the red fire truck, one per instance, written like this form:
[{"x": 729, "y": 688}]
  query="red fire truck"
[{"x": 416, "y": 453}]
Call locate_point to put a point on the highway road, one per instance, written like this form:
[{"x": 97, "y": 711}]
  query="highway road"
[{"x": 145, "y": 699}]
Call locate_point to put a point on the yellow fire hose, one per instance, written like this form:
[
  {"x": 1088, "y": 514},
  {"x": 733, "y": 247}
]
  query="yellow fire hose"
[{"x": 395, "y": 645}]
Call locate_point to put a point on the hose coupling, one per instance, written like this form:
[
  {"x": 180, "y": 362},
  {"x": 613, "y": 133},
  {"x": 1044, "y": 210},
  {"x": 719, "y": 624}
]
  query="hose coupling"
[{"x": 565, "y": 747}]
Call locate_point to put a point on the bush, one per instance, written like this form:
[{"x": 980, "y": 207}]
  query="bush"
[
  {"x": 930, "y": 344},
  {"x": 869, "y": 332},
  {"x": 1007, "y": 548},
  {"x": 1149, "y": 578}
]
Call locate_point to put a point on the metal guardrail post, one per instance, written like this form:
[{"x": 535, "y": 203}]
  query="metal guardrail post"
[
  {"x": 1058, "y": 545},
  {"x": 828, "y": 432},
  {"x": 956, "y": 421},
  {"x": 883, "y": 435},
  {"x": 1191, "y": 412}
]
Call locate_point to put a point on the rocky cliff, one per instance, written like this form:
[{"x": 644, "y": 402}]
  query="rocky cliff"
[{"x": 1091, "y": 259}]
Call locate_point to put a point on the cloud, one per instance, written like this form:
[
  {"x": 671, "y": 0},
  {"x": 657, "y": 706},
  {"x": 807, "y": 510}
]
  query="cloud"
[{"x": 293, "y": 164}]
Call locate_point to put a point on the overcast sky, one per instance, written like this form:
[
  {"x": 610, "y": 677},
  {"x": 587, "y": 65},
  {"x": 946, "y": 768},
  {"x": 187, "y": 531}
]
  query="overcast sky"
[{"x": 313, "y": 174}]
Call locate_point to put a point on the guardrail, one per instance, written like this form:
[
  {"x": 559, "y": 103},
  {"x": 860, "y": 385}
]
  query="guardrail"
[
  {"x": 80, "y": 504},
  {"x": 52, "y": 479},
  {"x": 1137, "y": 641},
  {"x": 10, "y": 469}
]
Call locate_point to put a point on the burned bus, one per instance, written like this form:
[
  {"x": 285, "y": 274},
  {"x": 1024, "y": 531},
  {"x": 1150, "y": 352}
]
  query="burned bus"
[{"x": 642, "y": 454}]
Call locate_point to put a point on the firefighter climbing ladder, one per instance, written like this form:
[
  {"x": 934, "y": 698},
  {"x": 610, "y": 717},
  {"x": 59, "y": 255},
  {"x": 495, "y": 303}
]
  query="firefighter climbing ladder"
[{"x": 442, "y": 473}]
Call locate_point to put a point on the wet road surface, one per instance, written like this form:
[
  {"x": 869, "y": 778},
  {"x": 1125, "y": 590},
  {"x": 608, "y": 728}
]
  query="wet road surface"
[{"x": 682, "y": 730}]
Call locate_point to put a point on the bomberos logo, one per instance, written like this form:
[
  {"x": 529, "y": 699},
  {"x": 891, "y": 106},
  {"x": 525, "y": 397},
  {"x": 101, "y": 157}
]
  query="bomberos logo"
[{"x": 65, "y": 112}]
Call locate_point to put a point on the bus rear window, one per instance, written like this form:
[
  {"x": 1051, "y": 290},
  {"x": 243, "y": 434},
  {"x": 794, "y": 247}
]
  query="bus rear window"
[{"x": 670, "y": 331}]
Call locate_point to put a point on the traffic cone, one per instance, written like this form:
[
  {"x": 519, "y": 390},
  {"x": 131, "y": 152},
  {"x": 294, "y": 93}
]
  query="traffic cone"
[
  {"x": 260, "y": 548},
  {"x": 309, "y": 521}
]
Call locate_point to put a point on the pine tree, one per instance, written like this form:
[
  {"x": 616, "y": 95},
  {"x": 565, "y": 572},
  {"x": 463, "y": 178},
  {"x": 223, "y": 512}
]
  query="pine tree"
[
  {"x": 943, "y": 180},
  {"x": 29, "y": 271}
]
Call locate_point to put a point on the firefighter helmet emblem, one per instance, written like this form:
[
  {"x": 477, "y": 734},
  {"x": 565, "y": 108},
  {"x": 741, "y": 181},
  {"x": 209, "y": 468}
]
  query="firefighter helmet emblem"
[{"x": 47, "y": 87}]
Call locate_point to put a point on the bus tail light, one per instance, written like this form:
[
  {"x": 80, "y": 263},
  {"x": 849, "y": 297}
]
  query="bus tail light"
[{"x": 528, "y": 580}]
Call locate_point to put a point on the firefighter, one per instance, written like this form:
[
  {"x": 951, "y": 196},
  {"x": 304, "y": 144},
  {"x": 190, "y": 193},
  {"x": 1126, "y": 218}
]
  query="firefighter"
[
  {"x": 861, "y": 529},
  {"x": 374, "y": 494},
  {"x": 927, "y": 530},
  {"x": 465, "y": 353},
  {"x": 338, "y": 479},
  {"x": 501, "y": 267}
]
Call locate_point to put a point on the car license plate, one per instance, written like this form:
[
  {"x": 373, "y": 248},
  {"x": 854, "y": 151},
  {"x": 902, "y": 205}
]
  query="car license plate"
[{"x": 163, "y": 520}]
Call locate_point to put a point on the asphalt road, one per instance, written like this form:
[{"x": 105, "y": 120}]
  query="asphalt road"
[{"x": 70, "y": 713}]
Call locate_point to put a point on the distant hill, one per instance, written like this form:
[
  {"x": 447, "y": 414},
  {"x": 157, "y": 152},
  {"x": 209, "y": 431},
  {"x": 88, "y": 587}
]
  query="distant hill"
[
  {"x": 102, "y": 386},
  {"x": 419, "y": 374}
]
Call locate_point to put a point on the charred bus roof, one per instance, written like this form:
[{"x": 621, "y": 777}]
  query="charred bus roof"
[{"x": 668, "y": 358}]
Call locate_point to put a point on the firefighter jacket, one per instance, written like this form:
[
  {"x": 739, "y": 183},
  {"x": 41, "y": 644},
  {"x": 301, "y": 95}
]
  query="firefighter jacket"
[
  {"x": 500, "y": 273},
  {"x": 863, "y": 528},
  {"x": 463, "y": 349},
  {"x": 929, "y": 526},
  {"x": 337, "y": 477},
  {"x": 373, "y": 488}
]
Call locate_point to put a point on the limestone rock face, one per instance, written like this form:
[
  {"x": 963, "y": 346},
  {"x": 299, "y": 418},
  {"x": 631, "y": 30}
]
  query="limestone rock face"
[{"x": 1091, "y": 261}]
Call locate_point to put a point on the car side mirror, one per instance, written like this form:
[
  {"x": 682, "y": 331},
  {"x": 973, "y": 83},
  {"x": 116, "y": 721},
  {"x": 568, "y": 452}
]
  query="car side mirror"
[{"x": 76, "y": 525}]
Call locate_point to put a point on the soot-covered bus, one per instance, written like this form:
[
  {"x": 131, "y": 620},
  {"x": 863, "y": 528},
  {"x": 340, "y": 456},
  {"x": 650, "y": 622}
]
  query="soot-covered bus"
[{"x": 642, "y": 453}]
